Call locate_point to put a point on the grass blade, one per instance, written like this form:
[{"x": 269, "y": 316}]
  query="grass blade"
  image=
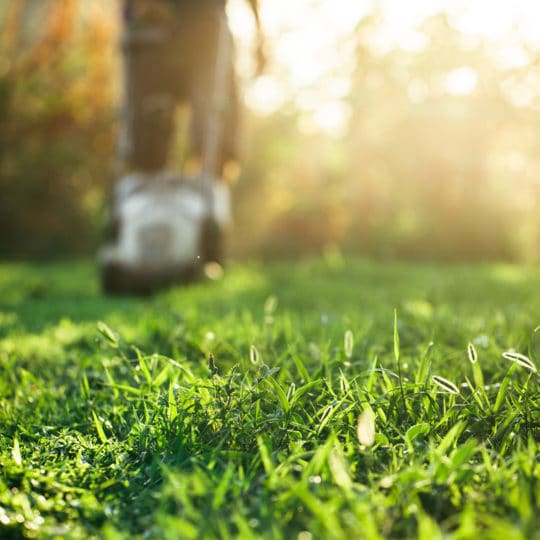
[
  {"x": 501, "y": 394},
  {"x": 397, "y": 357},
  {"x": 16, "y": 452},
  {"x": 99, "y": 428},
  {"x": 302, "y": 390},
  {"x": 301, "y": 368},
  {"x": 450, "y": 438},
  {"x": 172, "y": 409},
  {"x": 281, "y": 395},
  {"x": 422, "y": 373},
  {"x": 221, "y": 489},
  {"x": 396, "y": 338},
  {"x": 265, "y": 457},
  {"x": 144, "y": 366}
]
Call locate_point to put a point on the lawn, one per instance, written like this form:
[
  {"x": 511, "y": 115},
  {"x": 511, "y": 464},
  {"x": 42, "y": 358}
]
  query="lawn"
[{"x": 317, "y": 399}]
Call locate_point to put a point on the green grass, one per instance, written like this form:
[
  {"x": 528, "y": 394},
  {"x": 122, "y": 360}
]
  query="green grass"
[{"x": 231, "y": 409}]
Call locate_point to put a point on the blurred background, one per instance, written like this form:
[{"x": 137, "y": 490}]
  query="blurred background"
[{"x": 380, "y": 127}]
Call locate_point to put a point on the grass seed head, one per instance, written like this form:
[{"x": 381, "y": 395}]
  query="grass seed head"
[
  {"x": 445, "y": 384},
  {"x": 339, "y": 468},
  {"x": 471, "y": 352},
  {"x": 270, "y": 305},
  {"x": 349, "y": 343},
  {"x": 520, "y": 360},
  {"x": 365, "y": 429},
  {"x": 254, "y": 355}
]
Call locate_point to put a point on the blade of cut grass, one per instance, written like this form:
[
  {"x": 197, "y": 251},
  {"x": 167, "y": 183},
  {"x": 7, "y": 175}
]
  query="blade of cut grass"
[{"x": 479, "y": 395}]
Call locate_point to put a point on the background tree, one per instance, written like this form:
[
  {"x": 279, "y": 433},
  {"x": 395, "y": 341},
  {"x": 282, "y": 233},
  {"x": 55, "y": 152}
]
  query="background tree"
[{"x": 57, "y": 128}]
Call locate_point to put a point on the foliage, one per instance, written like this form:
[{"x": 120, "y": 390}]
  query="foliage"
[
  {"x": 236, "y": 409},
  {"x": 428, "y": 169},
  {"x": 56, "y": 137},
  {"x": 440, "y": 172}
]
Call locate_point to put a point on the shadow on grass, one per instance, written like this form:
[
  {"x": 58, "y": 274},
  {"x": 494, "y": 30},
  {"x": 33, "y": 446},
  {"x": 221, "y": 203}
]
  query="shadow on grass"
[
  {"x": 39, "y": 296},
  {"x": 34, "y": 297}
]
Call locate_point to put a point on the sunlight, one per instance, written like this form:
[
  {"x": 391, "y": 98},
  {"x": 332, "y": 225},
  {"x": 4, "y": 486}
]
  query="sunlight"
[
  {"x": 312, "y": 58},
  {"x": 496, "y": 18},
  {"x": 461, "y": 81},
  {"x": 311, "y": 47},
  {"x": 265, "y": 95}
]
